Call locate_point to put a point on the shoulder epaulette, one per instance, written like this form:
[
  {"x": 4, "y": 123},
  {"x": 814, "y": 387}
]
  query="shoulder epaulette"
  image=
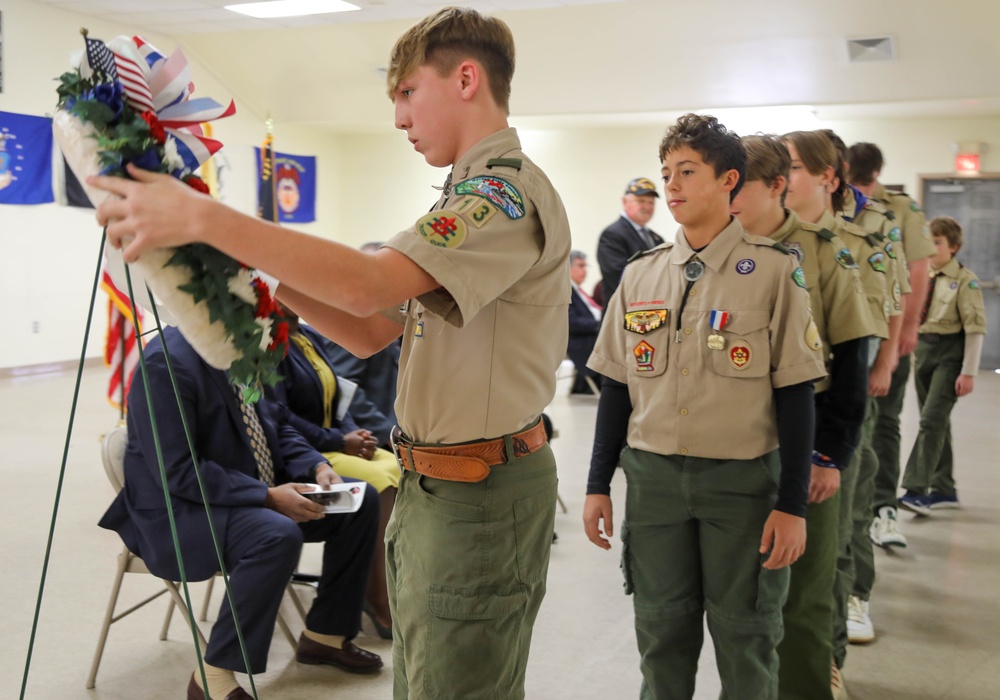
[
  {"x": 890, "y": 215},
  {"x": 640, "y": 253},
  {"x": 874, "y": 239},
  {"x": 766, "y": 242},
  {"x": 504, "y": 163},
  {"x": 826, "y": 234}
]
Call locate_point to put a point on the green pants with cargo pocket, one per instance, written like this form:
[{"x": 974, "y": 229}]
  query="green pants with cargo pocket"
[
  {"x": 691, "y": 540},
  {"x": 465, "y": 567}
]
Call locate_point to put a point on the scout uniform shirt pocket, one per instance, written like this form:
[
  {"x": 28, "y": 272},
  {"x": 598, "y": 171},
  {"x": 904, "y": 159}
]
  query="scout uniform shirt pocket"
[
  {"x": 746, "y": 346},
  {"x": 647, "y": 341}
]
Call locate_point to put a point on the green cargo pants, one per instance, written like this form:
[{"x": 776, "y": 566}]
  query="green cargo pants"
[
  {"x": 690, "y": 538},
  {"x": 938, "y": 366},
  {"x": 466, "y": 565},
  {"x": 885, "y": 440},
  {"x": 806, "y": 650}
]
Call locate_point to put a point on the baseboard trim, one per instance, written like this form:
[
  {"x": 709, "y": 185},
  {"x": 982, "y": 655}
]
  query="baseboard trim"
[{"x": 48, "y": 368}]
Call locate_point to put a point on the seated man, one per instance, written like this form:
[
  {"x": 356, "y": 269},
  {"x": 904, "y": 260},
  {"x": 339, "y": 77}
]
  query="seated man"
[
  {"x": 249, "y": 465},
  {"x": 584, "y": 325}
]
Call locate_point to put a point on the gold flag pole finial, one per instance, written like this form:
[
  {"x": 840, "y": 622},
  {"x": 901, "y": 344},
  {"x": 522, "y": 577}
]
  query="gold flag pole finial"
[{"x": 84, "y": 32}]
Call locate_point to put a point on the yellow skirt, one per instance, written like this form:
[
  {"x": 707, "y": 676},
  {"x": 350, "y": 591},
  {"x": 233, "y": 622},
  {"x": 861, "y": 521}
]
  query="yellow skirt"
[{"x": 381, "y": 471}]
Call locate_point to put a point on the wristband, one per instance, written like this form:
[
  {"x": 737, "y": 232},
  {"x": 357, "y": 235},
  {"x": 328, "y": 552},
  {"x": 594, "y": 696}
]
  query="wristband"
[{"x": 821, "y": 460}]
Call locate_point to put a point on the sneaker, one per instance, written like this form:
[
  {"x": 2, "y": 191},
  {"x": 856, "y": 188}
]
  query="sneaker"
[
  {"x": 837, "y": 688},
  {"x": 884, "y": 530},
  {"x": 916, "y": 502},
  {"x": 859, "y": 625},
  {"x": 938, "y": 501}
]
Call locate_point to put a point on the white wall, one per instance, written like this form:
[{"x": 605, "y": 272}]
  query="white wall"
[{"x": 370, "y": 186}]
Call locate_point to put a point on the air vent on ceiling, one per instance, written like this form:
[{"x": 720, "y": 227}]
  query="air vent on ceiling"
[{"x": 876, "y": 48}]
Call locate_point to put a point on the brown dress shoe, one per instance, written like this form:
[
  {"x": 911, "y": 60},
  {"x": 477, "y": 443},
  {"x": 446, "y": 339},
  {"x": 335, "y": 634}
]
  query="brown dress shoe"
[
  {"x": 196, "y": 693},
  {"x": 349, "y": 658}
]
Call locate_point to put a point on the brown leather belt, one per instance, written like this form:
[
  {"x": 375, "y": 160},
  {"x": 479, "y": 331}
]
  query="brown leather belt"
[{"x": 467, "y": 461}]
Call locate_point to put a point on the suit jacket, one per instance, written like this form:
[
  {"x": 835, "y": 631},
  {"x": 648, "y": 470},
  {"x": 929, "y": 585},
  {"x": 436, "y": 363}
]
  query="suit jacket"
[
  {"x": 300, "y": 396},
  {"x": 373, "y": 406},
  {"x": 225, "y": 461},
  {"x": 583, "y": 330},
  {"x": 619, "y": 242}
]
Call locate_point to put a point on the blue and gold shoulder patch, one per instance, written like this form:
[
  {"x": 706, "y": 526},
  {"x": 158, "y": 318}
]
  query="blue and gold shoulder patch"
[{"x": 495, "y": 190}]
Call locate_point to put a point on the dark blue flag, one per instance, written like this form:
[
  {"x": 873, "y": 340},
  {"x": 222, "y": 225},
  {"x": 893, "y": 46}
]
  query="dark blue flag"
[
  {"x": 295, "y": 186},
  {"x": 25, "y": 159}
]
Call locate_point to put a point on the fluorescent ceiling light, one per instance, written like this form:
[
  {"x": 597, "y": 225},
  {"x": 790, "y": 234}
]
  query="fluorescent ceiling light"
[{"x": 292, "y": 8}]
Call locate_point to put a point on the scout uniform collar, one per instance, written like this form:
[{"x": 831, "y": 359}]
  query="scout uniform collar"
[
  {"x": 474, "y": 160},
  {"x": 826, "y": 220},
  {"x": 951, "y": 270},
  {"x": 786, "y": 229},
  {"x": 715, "y": 254},
  {"x": 880, "y": 193}
]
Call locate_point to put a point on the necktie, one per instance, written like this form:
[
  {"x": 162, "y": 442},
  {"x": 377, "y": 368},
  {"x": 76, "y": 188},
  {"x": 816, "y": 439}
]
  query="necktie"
[
  {"x": 929, "y": 298},
  {"x": 258, "y": 441},
  {"x": 589, "y": 299},
  {"x": 646, "y": 238}
]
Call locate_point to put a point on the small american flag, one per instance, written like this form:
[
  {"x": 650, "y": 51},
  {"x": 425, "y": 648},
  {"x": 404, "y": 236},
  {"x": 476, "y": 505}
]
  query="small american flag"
[{"x": 100, "y": 58}]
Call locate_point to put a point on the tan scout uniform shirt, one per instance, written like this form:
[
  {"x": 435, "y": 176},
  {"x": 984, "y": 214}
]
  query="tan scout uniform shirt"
[
  {"x": 917, "y": 241},
  {"x": 687, "y": 398},
  {"x": 871, "y": 260},
  {"x": 836, "y": 293},
  {"x": 480, "y": 354},
  {"x": 957, "y": 304},
  {"x": 877, "y": 219}
]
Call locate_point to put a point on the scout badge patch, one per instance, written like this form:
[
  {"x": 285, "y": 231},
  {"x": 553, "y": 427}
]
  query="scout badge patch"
[
  {"x": 812, "y": 336},
  {"x": 739, "y": 356},
  {"x": 973, "y": 284},
  {"x": 643, "y": 322},
  {"x": 800, "y": 277},
  {"x": 444, "y": 228},
  {"x": 877, "y": 261},
  {"x": 894, "y": 234},
  {"x": 718, "y": 320},
  {"x": 745, "y": 266},
  {"x": 845, "y": 259},
  {"x": 890, "y": 251},
  {"x": 496, "y": 190},
  {"x": 476, "y": 209},
  {"x": 643, "y": 353},
  {"x": 796, "y": 250}
]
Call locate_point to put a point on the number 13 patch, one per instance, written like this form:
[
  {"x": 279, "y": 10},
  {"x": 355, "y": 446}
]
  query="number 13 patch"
[{"x": 477, "y": 210}]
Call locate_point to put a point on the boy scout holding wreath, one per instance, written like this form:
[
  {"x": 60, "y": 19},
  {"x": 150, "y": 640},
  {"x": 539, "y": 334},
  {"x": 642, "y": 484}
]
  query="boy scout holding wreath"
[
  {"x": 711, "y": 352},
  {"x": 479, "y": 289}
]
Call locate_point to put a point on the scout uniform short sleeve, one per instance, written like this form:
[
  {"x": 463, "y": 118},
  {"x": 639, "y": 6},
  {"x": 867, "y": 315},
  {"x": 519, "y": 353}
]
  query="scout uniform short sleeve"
[
  {"x": 917, "y": 242},
  {"x": 480, "y": 354},
  {"x": 694, "y": 373}
]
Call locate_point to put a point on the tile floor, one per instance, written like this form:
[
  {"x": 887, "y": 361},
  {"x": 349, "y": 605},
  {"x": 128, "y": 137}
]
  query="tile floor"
[{"x": 935, "y": 607}]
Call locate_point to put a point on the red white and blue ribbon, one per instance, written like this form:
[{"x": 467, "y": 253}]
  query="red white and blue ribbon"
[
  {"x": 163, "y": 85},
  {"x": 718, "y": 319}
]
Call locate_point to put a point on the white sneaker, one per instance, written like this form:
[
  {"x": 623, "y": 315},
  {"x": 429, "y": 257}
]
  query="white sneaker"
[
  {"x": 859, "y": 625},
  {"x": 837, "y": 688},
  {"x": 884, "y": 530}
]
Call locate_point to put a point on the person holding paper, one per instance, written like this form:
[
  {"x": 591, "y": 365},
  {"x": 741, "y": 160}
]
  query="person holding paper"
[
  {"x": 314, "y": 400},
  {"x": 250, "y": 463}
]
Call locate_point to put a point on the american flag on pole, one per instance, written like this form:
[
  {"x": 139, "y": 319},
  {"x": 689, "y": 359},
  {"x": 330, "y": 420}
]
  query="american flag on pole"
[
  {"x": 100, "y": 59},
  {"x": 121, "y": 349}
]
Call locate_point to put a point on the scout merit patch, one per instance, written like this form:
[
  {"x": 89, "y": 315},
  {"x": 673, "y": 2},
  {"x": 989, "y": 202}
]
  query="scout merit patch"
[
  {"x": 643, "y": 322},
  {"x": 877, "y": 261},
  {"x": 800, "y": 277},
  {"x": 444, "y": 228},
  {"x": 496, "y": 190},
  {"x": 476, "y": 209},
  {"x": 643, "y": 353},
  {"x": 812, "y": 336},
  {"x": 739, "y": 356},
  {"x": 845, "y": 259}
]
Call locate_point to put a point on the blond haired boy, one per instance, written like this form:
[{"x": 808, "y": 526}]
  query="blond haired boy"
[{"x": 479, "y": 289}]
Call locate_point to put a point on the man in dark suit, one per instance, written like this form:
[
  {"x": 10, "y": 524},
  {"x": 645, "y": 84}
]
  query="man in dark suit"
[
  {"x": 584, "y": 325},
  {"x": 628, "y": 235},
  {"x": 249, "y": 465}
]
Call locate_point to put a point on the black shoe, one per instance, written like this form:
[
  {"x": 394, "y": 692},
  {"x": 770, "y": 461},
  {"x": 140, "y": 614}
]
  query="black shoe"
[{"x": 382, "y": 631}]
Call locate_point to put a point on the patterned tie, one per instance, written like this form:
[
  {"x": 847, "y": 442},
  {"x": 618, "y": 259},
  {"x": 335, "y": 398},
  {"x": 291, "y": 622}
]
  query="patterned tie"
[
  {"x": 258, "y": 441},
  {"x": 644, "y": 235},
  {"x": 929, "y": 298}
]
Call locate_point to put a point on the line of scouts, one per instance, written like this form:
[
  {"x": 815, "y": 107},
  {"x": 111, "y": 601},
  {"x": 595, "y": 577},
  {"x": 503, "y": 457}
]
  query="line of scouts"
[{"x": 739, "y": 406}]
